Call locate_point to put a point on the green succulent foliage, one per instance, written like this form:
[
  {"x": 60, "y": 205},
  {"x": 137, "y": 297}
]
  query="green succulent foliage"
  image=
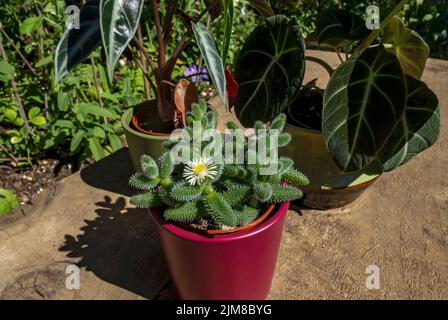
[
  {"x": 147, "y": 200},
  {"x": 246, "y": 215},
  {"x": 235, "y": 196},
  {"x": 149, "y": 167}
]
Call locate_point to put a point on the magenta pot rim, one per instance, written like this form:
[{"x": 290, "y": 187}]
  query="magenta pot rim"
[{"x": 177, "y": 231}]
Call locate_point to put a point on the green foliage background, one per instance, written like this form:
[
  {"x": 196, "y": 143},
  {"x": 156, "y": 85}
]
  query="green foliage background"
[
  {"x": 427, "y": 17},
  {"x": 80, "y": 117}
]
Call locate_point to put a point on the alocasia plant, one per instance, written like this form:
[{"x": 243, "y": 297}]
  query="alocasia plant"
[
  {"x": 114, "y": 23},
  {"x": 376, "y": 110}
]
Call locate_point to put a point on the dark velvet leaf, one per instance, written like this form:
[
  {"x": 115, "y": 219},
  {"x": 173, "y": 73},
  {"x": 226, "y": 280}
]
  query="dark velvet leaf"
[
  {"x": 262, "y": 7},
  {"x": 77, "y": 44},
  {"x": 338, "y": 27},
  {"x": 269, "y": 70},
  {"x": 410, "y": 48},
  {"x": 363, "y": 103},
  {"x": 418, "y": 129}
]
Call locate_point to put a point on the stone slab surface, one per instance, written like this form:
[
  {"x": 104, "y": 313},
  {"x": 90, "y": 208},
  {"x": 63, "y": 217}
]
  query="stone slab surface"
[{"x": 400, "y": 225}]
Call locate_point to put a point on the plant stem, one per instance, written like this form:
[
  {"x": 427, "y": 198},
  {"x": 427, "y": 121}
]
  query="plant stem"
[
  {"x": 14, "y": 159},
  {"x": 155, "y": 10},
  {"x": 11, "y": 43},
  {"x": 168, "y": 22},
  {"x": 143, "y": 64},
  {"x": 97, "y": 85},
  {"x": 375, "y": 33},
  {"x": 16, "y": 92},
  {"x": 321, "y": 62}
]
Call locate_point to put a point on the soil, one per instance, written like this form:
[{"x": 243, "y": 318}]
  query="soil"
[
  {"x": 306, "y": 111},
  {"x": 28, "y": 182}
]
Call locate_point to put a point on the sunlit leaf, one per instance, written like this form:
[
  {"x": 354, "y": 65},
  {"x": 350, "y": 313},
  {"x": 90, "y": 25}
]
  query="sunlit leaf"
[
  {"x": 212, "y": 58},
  {"x": 363, "y": 103},
  {"x": 119, "y": 21},
  {"x": 418, "y": 129},
  {"x": 410, "y": 48},
  {"x": 77, "y": 44}
]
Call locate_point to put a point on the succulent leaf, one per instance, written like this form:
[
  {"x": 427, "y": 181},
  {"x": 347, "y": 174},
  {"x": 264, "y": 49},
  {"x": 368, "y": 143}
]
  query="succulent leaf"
[
  {"x": 146, "y": 200},
  {"x": 149, "y": 167},
  {"x": 285, "y": 193},
  {"x": 236, "y": 194},
  {"x": 140, "y": 181},
  {"x": 166, "y": 165},
  {"x": 295, "y": 177},
  {"x": 263, "y": 191},
  {"x": 186, "y": 213},
  {"x": 246, "y": 216},
  {"x": 220, "y": 211},
  {"x": 182, "y": 192}
]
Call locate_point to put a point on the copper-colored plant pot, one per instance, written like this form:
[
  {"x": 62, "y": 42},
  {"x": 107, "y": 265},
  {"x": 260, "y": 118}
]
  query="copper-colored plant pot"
[
  {"x": 328, "y": 188},
  {"x": 142, "y": 141},
  {"x": 250, "y": 226}
]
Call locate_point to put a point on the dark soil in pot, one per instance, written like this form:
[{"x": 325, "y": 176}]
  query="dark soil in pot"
[
  {"x": 147, "y": 121},
  {"x": 306, "y": 111}
]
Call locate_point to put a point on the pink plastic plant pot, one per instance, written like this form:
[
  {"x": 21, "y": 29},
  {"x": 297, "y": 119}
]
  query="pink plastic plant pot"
[{"x": 235, "y": 266}]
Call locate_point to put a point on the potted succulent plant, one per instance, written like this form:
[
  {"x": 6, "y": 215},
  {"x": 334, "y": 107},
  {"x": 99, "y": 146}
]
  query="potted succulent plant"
[
  {"x": 116, "y": 25},
  {"x": 208, "y": 212},
  {"x": 374, "y": 115}
]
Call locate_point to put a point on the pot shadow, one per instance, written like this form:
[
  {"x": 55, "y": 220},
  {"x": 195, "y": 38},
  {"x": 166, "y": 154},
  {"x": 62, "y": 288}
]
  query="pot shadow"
[
  {"x": 111, "y": 173},
  {"x": 121, "y": 247}
]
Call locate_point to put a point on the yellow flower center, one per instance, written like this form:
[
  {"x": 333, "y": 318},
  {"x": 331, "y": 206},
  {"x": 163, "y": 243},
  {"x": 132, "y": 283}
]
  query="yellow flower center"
[{"x": 199, "y": 168}]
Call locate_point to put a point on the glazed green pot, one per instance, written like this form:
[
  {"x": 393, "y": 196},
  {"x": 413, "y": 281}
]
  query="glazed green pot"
[
  {"x": 140, "y": 143},
  {"x": 328, "y": 188}
]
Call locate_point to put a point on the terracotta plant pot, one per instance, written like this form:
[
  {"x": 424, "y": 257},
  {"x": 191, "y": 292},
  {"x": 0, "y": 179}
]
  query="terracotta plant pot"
[
  {"x": 234, "y": 266},
  {"x": 328, "y": 188},
  {"x": 141, "y": 141}
]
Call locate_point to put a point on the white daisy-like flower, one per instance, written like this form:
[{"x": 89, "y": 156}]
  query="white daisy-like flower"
[{"x": 197, "y": 171}]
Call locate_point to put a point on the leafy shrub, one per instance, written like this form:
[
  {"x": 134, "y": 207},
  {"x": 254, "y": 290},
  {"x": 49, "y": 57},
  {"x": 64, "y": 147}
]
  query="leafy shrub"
[
  {"x": 80, "y": 116},
  {"x": 8, "y": 201}
]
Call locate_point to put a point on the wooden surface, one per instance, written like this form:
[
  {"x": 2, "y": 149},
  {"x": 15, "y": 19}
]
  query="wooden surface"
[{"x": 400, "y": 225}]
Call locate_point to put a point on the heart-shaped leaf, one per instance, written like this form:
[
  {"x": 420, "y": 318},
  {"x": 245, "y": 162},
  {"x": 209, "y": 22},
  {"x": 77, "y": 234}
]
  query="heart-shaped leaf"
[
  {"x": 214, "y": 7},
  {"x": 212, "y": 58},
  {"x": 262, "y": 7},
  {"x": 410, "y": 48},
  {"x": 119, "y": 21},
  {"x": 338, "y": 27},
  {"x": 418, "y": 129},
  {"x": 363, "y": 103},
  {"x": 269, "y": 70},
  {"x": 77, "y": 44}
]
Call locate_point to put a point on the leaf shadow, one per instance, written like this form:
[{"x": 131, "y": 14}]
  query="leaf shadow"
[{"x": 121, "y": 246}]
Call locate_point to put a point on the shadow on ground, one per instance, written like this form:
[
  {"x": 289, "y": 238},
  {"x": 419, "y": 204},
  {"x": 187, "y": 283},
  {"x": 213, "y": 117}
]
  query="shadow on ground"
[
  {"x": 121, "y": 246},
  {"x": 111, "y": 173}
]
